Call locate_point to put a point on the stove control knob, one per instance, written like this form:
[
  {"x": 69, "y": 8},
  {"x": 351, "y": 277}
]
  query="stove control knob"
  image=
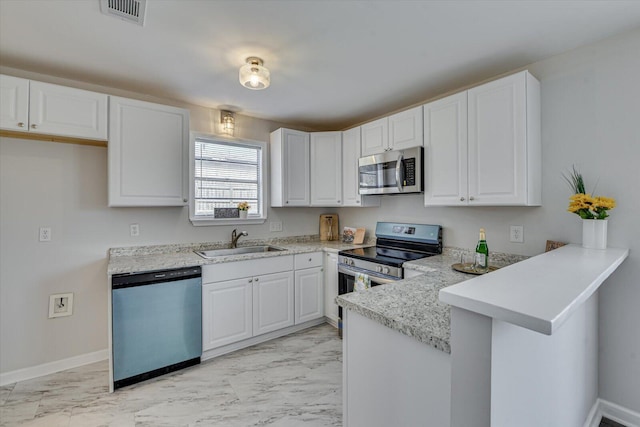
[
  {"x": 351, "y": 263},
  {"x": 379, "y": 269},
  {"x": 385, "y": 270}
]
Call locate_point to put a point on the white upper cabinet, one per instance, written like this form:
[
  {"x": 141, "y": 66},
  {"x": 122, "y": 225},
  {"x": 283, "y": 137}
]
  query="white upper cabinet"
[
  {"x": 504, "y": 142},
  {"x": 405, "y": 129},
  {"x": 445, "y": 152},
  {"x": 326, "y": 168},
  {"x": 52, "y": 109},
  {"x": 148, "y": 154},
  {"x": 375, "y": 137},
  {"x": 396, "y": 132},
  {"x": 350, "y": 156},
  {"x": 483, "y": 145},
  {"x": 290, "y": 174},
  {"x": 14, "y": 103}
]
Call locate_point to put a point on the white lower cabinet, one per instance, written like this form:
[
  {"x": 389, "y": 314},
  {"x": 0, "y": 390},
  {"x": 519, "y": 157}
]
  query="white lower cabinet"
[
  {"x": 245, "y": 299},
  {"x": 272, "y": 302},
  {"x": 331, "y": 287},
  {"x": 309, "y": 287},
  {"x": 309, "y": 295},
  {"x": 226, "y": 312}
]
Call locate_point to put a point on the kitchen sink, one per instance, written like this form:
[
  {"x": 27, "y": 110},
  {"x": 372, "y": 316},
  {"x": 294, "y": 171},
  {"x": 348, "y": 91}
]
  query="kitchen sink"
[{"x": 213, "y": 253}]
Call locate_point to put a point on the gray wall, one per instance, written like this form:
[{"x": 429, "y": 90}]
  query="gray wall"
[
  {"x": 590, "y": 118},
  {"x": 64, "y": 186}
]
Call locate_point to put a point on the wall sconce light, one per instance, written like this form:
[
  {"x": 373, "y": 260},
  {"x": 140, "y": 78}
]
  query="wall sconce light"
[
  {"x": 228, "y": 122},
  {"x": 253, "y": 75}
]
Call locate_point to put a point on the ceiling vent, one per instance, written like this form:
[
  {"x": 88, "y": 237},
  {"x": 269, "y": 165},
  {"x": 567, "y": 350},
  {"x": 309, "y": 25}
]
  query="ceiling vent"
[{"x": 127, "y": 10}]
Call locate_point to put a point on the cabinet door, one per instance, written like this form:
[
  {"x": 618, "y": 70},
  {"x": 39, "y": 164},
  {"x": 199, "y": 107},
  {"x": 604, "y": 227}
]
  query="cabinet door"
[
  {"x": 350, "y": 156},
  {"x": 309, "y": 295},
  {"x": 60, "y": 110},
  {"x": 326, "y": 168},
  {"x": 226, "y": 312},
  {"x": 331, "y": 287},
  {"x": 272, "y": 302},
  {"x": 445, "y": 132},
  {"x": 375, "y": 137},
  {"x": 405, "y": 129},
  {"x": 497, "y": 142},
  {"x": 14, "y": 103},
  {"x": 296, "y": 168},
  {"x": 148, "y": 154}
]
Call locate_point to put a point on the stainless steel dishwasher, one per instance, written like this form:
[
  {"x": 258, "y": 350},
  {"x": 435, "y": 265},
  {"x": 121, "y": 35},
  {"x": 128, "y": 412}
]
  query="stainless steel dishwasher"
[{"x": 156, "y": 323}]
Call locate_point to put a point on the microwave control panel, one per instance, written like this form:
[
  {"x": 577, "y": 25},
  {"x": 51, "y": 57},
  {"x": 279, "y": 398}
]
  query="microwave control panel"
[{"x": 409, "y": 172}]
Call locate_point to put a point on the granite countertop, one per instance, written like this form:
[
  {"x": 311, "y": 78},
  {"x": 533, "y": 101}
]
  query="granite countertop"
[
  {"x": 412, "y": 306},
  {"x": 138, "y": 259}
]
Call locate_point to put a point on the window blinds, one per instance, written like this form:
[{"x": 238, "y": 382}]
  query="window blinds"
[{"x": 225, "y": 175}]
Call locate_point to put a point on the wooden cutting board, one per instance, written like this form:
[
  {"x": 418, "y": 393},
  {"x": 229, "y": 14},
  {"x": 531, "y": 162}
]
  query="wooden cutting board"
[{"x": 329, "y": 227}]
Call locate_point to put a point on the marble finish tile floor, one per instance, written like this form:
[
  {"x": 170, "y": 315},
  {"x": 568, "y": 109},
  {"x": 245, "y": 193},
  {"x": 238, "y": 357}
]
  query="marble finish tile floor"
[{"x": 290, "y": 381}]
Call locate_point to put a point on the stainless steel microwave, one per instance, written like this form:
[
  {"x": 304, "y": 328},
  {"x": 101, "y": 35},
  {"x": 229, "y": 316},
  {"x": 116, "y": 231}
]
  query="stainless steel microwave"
[{"x": 391, "y": 172}]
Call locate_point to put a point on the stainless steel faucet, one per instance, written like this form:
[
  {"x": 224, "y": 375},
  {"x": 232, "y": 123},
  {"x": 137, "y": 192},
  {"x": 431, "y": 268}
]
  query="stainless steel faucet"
[{"x": 235, "y": 237}]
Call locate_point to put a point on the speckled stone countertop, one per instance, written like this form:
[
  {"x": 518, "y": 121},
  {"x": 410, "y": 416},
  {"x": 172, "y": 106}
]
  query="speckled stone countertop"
[
  {"x": 411, "y": 306},
  {"x": 137, "y": 259}
]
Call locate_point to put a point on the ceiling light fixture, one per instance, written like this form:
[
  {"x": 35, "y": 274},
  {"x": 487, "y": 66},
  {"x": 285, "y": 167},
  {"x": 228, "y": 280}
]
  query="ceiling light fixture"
[
  {"x": 228, "y": 122},
  {"x": 253, "y": 75}
]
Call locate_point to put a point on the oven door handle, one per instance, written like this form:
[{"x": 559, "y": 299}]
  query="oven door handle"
[
  {"x": 399, "y": 170},
  {"x": 342, "y": 268}
]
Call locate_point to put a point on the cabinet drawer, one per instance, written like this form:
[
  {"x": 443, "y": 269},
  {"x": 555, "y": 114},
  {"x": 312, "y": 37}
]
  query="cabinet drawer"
[
  {"x": 239, "y": 269},
  {"x": 309, "y": 260}
]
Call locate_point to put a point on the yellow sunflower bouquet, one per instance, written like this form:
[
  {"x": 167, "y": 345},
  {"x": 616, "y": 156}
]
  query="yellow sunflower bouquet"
[
  {"x": 584, "y": 204},
  {"x": 243, "y": 206}
]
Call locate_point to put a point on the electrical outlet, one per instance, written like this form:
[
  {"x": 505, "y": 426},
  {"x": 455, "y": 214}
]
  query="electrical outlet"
[
  {"x": 516, "y": 234},
  {"x": 45, "y": 234},
  {"x": 275, "y": 226},
  {"x": 134, "y": 230}
]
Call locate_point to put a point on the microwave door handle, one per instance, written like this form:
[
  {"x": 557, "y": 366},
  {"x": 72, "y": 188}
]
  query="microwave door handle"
[{"x": 399, "y": 169}]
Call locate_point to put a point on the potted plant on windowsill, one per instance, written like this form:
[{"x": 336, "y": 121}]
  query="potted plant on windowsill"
[
  {"x": 592, "y": 210},
  {"x": 243, "y": 209}
]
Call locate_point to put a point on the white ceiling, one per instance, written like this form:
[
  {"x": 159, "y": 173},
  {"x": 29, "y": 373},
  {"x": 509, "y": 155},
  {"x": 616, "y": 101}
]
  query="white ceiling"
[{"x": 333, "y": 63}]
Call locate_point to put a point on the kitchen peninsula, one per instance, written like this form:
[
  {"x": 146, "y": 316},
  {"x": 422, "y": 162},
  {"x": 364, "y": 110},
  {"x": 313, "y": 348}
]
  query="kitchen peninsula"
[{"x": 514, "y": 344}]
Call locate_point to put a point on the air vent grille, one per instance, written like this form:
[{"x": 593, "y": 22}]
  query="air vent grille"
[{"x": 127, "y": 10}]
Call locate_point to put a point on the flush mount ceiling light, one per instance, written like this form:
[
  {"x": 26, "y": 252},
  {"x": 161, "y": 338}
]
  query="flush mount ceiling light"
[
  {"x": 253, "y": 75},
  {"x": 228, "y": 122}
]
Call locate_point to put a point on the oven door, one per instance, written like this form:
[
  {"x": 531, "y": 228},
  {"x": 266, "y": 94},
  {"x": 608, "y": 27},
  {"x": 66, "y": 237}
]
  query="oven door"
[
  {"x": 346, "y": 280},
  {"x": 347, "y": 276}
]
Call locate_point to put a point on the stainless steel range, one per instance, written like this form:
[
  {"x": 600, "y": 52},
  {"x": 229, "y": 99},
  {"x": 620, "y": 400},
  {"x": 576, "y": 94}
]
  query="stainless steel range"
[{"x": 396, "y": 243}]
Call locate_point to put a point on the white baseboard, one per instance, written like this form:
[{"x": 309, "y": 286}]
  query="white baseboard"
[
  {"x": 603, "y": 408},
  {"x": 52, "y": 367},
  {"x": 332, "y": 321}
]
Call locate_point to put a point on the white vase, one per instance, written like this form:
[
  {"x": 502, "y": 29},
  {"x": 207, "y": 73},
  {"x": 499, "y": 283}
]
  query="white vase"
[
  {"x": 243, "y": 214},
  {"x": 594, "y": 233}
]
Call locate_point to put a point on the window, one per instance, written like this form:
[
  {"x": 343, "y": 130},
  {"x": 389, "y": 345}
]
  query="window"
[{"x": 226, "y": 173}]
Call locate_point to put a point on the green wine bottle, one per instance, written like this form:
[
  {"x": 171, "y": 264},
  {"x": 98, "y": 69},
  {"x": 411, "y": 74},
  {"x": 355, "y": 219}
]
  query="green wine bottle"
[{"x": 482, "y": 253}]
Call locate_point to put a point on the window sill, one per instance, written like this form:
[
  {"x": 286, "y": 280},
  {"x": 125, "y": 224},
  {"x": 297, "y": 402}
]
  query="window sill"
[{"x": 207, "y": 222}]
